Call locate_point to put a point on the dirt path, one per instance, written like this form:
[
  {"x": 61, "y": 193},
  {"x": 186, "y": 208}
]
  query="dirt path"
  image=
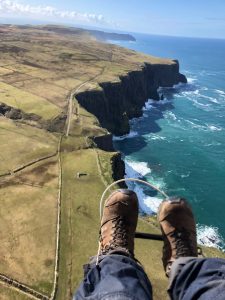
[
  {"x": 70, "y": 101},
  {"x": 56, "y": 271},
  {"x": 74, "y": 93}
]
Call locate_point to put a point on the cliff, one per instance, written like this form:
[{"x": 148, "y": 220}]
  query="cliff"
[
  {"x": 117, "y": 102},
  {"x": 104, "y": 36},
  {"x": 98, "y": 34}
]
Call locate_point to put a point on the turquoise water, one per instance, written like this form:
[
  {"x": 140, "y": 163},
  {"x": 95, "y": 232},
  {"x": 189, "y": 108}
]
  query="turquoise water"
[{"x": 178, "y": 144}]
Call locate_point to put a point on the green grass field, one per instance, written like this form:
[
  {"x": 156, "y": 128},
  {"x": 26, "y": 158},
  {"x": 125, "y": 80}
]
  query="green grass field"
[
  {"x": 21, "y": 144},
  {"x": 27, "y": 102},
  {"x": 27, "y": 247}
]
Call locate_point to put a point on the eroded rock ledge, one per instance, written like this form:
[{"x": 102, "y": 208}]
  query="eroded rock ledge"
[{"x": 117, "y": 102}]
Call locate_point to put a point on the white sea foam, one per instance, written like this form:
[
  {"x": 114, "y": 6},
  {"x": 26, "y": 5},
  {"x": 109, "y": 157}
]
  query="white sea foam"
[
  {"x": 204, "y": 127},
  {"x": 130, "y": 172},
  {"x": 191, "y": 80},
  {"x": 203, "y": 106},
  {"x": 126, "y": 136},
  {"x": 189, "y": 94},
  {"x": 211, "y": 99},
  {"x": 156, "y": 137},
  {"x": 182, "y": 88},
  {"x": 196, "y": 92},
  {"x": 185, "y": 175},
  {"x": 148, "y": 205},
  {"x": 180, "y": 125},
  {"x": 148, "y": 105},
  {"x": 139, "y": 167},
  {"x": 196, "y": 126},
  {"x": 209, "y": 236},
  {"x": 212, "y": 144},
  {"x": 214, "y": 128},
  {"x": 162, "y": 102},
  {"x": 214, "y": 100},
  {"x": 197, "y": 97},
  {"x": 151, "y": 103},
  {"x": 220, "y": 92},
  {"x": 204, "y": 88},
  {"x": 179, "y": 85},
  {"x": 152, "y": 203},
  {"x": 170, "y": 115}
]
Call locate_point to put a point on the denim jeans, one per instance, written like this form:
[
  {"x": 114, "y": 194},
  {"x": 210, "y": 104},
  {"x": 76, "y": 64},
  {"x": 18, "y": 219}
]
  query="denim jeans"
[{"x": 121, "y": 278}]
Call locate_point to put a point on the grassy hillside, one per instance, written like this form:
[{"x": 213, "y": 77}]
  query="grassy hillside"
[{"x": 40, "y": 71}]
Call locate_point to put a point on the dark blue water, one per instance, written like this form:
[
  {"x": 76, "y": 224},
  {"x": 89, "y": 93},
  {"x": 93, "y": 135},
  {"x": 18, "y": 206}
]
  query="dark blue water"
[{"x": 178, "y": 144}]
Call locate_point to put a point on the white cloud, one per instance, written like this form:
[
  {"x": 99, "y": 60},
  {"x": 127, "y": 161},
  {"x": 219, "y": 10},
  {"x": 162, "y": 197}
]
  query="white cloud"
[{"x": 13, "y": 7}]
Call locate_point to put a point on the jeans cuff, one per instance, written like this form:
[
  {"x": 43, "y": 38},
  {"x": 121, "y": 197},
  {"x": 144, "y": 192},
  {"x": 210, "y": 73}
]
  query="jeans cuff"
[{"x": 176, "y": 269}]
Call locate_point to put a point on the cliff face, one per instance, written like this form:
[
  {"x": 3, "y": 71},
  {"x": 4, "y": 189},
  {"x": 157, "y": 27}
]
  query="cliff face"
[{"x": 118, "y": 102}]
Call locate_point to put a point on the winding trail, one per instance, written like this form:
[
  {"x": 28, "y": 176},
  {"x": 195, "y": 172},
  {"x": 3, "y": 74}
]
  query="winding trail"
[
  {"x": 75, "y": 91},
  {"x": 70, "y": 102}
]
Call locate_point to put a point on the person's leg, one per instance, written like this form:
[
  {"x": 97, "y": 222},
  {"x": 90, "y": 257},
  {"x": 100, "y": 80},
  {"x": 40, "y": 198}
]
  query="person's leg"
[
  {"x": 116, "y": 277},
  {"x": 114, "y": 273},
  {"x": 190, "y": 278},
  {"x": 197, "y": 278}
]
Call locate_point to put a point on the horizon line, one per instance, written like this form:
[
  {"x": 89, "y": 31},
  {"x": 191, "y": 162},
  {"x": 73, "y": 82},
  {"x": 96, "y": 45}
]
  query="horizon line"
[{"x": 82, "y": 26}]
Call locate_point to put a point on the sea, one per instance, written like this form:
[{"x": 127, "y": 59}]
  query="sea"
[{"x": 178, "y": 144}]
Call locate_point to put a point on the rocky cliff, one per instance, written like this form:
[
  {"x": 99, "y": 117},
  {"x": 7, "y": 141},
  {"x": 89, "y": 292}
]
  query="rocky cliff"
[{"x": 117, "y": 102}]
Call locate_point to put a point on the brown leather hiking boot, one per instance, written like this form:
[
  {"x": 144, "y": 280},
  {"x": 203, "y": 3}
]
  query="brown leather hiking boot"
[
  {"x": 179, "y": 231},
  {"x": 119, "y": 222}
]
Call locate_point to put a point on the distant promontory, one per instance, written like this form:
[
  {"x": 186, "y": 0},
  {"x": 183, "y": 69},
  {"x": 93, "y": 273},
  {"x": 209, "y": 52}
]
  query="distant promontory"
[
  {"x": 98, "y": 34},
  {"x": 102, "y": 35}
]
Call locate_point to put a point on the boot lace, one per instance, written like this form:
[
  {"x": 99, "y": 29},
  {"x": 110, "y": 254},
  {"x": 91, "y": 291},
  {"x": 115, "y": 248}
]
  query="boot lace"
[
  {"x": 183, "y": 243},
  {"x": 119, "y": 237}
]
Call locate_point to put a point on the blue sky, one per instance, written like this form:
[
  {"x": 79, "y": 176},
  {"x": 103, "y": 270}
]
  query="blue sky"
[{"x": 166, "y": 17}]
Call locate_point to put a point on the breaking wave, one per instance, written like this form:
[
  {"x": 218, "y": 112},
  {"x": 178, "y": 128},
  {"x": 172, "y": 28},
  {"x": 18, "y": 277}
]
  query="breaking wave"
[
  {"x": 191, "y": 80},
  {"x": 126, "y": 136},
  {"x": 139, "y": 167},
  {"x": 206, "y": 235},
  {"x": 203, "y": 127},
  {"x": 209, "y": 236},
  {"x": 220, "y": 92},
  {"x": 155, "y": 137},
  {"x": 148, "y": 205},
  {"x": 202, "y": 101},
  {"x": 170, "y": 115},
  {"x": 149, "y": 104}
]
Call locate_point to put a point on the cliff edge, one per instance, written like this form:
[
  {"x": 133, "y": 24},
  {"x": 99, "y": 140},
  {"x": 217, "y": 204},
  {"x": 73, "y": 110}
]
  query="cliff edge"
[{"x": 114, "y": 103}]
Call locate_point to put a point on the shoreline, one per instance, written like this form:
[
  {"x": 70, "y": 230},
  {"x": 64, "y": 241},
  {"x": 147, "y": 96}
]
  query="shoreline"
[
  {"x": 208, "y": 235},
  {"x": 120, "y": 101}
]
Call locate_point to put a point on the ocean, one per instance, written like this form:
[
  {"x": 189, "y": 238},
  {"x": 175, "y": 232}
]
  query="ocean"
[{"x": 179, "y": 143}]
